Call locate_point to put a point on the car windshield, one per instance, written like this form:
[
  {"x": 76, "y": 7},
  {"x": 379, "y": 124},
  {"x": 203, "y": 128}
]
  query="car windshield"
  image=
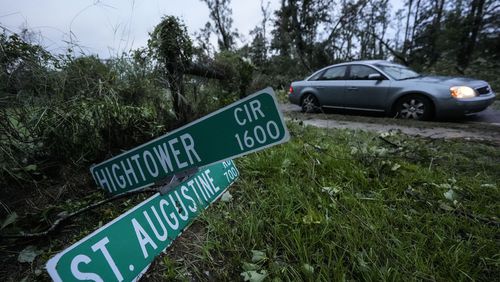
[{"x": 398, "y": 72}]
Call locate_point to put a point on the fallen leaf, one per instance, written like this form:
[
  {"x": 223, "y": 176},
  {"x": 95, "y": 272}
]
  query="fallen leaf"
[
  {"x": 308, "y": 219},
  {"x": 308, "y": 269},
  {"x": 226, "y": 197},
  {"x": 258, "y": 256},
  {"x": 444, "y": 185},
  {"x": 250, "y": 266},
  {"x": 28, "y": 254},
  {"x": 332, "y": 191},
  {"x": 11, "y": 218},
  {"x": 254, "y": 276},
  {"x": 395, "y": 167},
  {"x": 450, "y": 195},
  {"x": 31, "y": 167},
  {"x": 385, "y": 134}
]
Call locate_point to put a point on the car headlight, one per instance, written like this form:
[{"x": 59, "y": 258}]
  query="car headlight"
[{"x": 462, "y": 92}]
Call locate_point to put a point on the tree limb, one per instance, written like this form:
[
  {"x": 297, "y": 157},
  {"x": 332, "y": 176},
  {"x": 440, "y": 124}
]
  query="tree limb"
[
  {"x": 207, "y": 72},
  {"x": 393, "y": 52},
  {"x": 66, "y": 218}
]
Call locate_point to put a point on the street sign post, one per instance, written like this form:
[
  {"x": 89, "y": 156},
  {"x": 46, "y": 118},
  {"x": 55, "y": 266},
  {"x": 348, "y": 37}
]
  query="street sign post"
[
  {"x": 246, "y": 126},
  {"x": 123, "y": 249}
]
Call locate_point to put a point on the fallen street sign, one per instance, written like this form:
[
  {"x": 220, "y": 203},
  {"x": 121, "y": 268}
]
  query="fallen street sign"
[
  {"x": 246, "y": 126},
  {"x": 123, "y": 249}
]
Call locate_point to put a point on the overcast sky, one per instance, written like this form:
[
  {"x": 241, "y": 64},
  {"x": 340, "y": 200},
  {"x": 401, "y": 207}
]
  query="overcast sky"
[{"x": 109, "y": 27}]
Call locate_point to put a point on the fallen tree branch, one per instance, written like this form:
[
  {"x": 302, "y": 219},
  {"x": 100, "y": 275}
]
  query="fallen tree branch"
[
  {"x": 66, "y": 218},
  {"x": 212, "y": 72},
  {"x": 395, "y": 53}
]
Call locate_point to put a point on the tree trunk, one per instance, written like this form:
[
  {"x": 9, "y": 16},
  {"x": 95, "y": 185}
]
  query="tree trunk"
[
  {"x": 474, "y": 21},
  {"x": 407, "y": 33},
  {"x": 415, "y": 22},
  {"x": 435, "y": 53}
]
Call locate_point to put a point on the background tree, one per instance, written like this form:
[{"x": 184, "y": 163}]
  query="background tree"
[
  {"x": 220, "y": 14},
  {"x": 296, "y": 29},
  {"x": 472, "y": 24}
]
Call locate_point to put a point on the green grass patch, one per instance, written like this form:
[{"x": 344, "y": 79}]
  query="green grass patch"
[{"x": 339, "y": 205}]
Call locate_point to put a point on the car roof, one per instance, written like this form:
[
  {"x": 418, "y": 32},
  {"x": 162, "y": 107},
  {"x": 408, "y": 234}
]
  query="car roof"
[
  {"x": 367, "y": 62},
  {"x": 362, "y": 62}
]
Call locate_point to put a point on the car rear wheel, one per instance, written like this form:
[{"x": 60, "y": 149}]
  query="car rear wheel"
[
  {"x": 310, "y": 104},
  {"x": 414, "y": 107}
]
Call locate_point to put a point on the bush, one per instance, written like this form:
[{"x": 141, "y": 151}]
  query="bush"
[
  {"x": 75, "y": 132},
  {"x": 72, "y": 110}
]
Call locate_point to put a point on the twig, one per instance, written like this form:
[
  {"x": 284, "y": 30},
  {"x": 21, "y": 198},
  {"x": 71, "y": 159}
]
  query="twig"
[
  {"x": 65, "y": 218},
  {"x": 477, "y": 217},
  {"x": 389, "y": 142}
]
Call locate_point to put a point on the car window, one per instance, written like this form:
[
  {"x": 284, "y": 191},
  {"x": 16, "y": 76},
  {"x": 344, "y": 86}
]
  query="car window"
[
  {"x": 359, "y": 72},
  {"x": 398, "y": 72},
  {"x": 316, "y": 76},
  {"x": 335, "y": 73}
]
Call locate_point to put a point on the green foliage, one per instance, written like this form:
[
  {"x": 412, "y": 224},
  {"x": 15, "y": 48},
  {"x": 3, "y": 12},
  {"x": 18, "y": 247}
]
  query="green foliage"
[
  {"x": 84, "y": 76},
  {"x": 74, "y": 132},
  {"x": 24, "y": 67},
  {"x": 71, "y": 110},
  {"x": 137, "y": 82},
  {"x": 170, "y": 44},
  {"x": 238, "y": 71}
]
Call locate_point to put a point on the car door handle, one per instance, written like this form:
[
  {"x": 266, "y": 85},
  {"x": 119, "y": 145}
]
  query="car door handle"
[
  {"x": 320, "y": 87},
  {"x": 352, "y": 88}
]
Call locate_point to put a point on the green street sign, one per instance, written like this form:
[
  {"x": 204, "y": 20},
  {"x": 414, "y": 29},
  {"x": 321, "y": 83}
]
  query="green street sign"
[
  {"x": 246, "y": 126},
  {"x": 123, "y": 249}
]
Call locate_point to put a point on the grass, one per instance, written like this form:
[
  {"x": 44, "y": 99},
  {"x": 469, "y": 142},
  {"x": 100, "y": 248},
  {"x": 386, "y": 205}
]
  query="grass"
[
  {"x": 328, "y": 205},
  {"x": 340, "y": 205}
]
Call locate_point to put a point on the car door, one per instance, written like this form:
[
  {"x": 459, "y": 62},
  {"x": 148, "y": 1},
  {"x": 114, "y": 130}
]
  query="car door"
[
  {"x": 330, "y": 86},
  {"x": 363, "y": 90}
]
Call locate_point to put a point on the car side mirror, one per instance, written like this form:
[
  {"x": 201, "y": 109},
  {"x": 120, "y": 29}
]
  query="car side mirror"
[{"x": 375, "y": 76}]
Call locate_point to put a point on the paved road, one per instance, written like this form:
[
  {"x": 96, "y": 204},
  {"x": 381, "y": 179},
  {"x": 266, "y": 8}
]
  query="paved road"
[
  {"x": 487, "y": 116},
  {"x": 436, "y": 131}
]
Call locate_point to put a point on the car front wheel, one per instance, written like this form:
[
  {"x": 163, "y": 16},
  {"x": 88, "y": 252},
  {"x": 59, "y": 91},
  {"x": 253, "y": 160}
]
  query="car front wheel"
[
  {"x": 414, "y": 107},
  {"x": 310, "y": 104}
]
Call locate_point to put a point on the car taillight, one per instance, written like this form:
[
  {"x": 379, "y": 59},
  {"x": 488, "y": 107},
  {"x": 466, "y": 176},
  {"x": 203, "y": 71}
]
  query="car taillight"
[{"x": 290, "y": 91}]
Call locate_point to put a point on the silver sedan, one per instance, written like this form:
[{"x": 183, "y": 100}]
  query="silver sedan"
[{"x": 381, "y": 86}]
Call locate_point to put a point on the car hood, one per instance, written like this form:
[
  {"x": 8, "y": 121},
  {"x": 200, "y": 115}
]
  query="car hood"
[{"x": 449, "y": 80}]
